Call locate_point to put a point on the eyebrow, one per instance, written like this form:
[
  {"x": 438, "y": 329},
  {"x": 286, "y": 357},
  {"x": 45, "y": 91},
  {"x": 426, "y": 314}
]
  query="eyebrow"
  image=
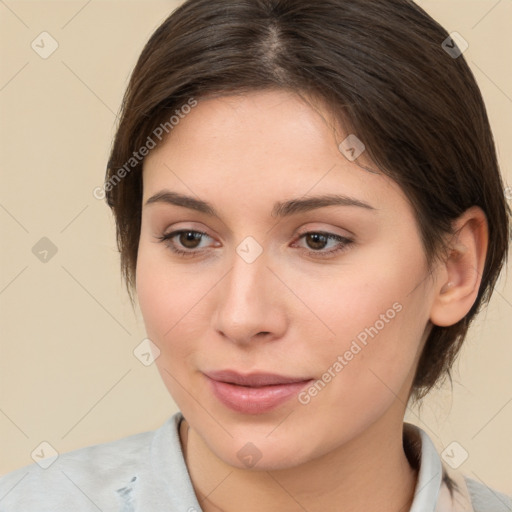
[{"x": 280, "y": 209}]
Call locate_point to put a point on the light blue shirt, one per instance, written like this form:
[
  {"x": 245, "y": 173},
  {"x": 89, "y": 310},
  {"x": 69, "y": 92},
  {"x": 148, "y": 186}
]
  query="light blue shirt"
[{"x": 147, "y": 472}]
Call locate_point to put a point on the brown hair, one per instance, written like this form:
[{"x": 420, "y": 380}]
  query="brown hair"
[{"x": 378, "y": 65}]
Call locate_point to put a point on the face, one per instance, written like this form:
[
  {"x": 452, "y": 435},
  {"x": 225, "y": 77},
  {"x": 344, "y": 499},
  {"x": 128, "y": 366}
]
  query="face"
[{"x": 331, "y": 300}]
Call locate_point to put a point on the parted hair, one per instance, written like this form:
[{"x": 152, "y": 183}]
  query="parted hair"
[{"x": 380, "y": 67}]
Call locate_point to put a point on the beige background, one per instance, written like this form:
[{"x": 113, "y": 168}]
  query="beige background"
[{"x": 68, "y": 374}]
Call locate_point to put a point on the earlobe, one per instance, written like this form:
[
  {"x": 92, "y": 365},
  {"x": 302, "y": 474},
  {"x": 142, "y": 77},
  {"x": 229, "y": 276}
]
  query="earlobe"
[{"x": 461, "y": 271}]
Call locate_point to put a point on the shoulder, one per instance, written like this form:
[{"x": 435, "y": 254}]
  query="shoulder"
[
  {"x": 486, "y": 499},
  {"x": 84, "y": 479}
]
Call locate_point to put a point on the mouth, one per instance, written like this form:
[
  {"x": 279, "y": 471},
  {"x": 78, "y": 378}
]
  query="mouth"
[{"x": 254, "y": 393}]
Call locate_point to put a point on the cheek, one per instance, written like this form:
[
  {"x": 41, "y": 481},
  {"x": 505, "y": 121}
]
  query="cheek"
[
  {"x": 166, "y": 297},
  {"x": 378, "y": 323},
  {"x": 169, "y": 305},
  {"x": 366, "y": 372}
]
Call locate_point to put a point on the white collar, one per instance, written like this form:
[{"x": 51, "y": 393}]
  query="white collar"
[{"x": 432, "y": 492}]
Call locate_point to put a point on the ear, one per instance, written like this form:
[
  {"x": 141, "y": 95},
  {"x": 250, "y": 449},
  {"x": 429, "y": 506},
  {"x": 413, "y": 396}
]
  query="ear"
[{"x": 460, "y": 274}]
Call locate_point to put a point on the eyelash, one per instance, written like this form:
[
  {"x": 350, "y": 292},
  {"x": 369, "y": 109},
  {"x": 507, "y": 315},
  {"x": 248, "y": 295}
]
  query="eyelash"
[{"x": 344, "y": 242}]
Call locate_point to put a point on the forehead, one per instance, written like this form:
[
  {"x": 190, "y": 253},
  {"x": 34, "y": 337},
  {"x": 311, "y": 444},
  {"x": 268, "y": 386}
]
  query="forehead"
[{"x": 260, "y": 145}]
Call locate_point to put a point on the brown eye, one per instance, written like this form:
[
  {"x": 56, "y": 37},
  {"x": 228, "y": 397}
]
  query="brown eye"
[
  {"x": 184, "y": 242},
  {"x": 317, "y": 241},
  {"x": 190, "y": 239}
]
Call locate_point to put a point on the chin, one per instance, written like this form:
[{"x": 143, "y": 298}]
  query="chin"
[{"x": 258, "y": 452}]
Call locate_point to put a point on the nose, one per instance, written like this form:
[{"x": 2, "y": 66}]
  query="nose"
[{"x": 251, "y": 303}]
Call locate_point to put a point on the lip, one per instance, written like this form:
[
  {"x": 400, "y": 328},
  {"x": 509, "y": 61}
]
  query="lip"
[{"x": 254, "y": 393}]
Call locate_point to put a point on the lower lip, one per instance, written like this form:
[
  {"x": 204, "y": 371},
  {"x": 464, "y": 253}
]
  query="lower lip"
[{"x": 249, "y": 400}]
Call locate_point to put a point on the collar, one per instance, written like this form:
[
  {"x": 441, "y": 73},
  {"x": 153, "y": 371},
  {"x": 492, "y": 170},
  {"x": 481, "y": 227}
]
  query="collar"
[{"x": 438, "y": 489}]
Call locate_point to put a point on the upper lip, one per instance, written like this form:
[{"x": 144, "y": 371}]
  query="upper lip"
[{"x": 254, "y": 379}]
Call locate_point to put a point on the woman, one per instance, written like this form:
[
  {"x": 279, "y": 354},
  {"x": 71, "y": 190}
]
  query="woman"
[{"x": 310, "y": 211}]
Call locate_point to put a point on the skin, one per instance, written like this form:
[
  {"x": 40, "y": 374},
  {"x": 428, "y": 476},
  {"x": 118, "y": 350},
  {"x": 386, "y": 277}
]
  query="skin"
[{"x": 291, "y": 312}]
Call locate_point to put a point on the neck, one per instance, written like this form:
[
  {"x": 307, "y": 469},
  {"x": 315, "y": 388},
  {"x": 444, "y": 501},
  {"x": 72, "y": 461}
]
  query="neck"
[{"x": 370, "y": 473}]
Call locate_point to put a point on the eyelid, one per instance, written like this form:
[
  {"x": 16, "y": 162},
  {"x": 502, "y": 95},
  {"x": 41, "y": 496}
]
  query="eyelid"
[
  {"x": 186, "y": 226},
  {"x": 342, "y": 245},
  {"x": 330, "y": 231},
  {"x": 168, "y": 235},
  {"x": 302, "y": 231}
]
